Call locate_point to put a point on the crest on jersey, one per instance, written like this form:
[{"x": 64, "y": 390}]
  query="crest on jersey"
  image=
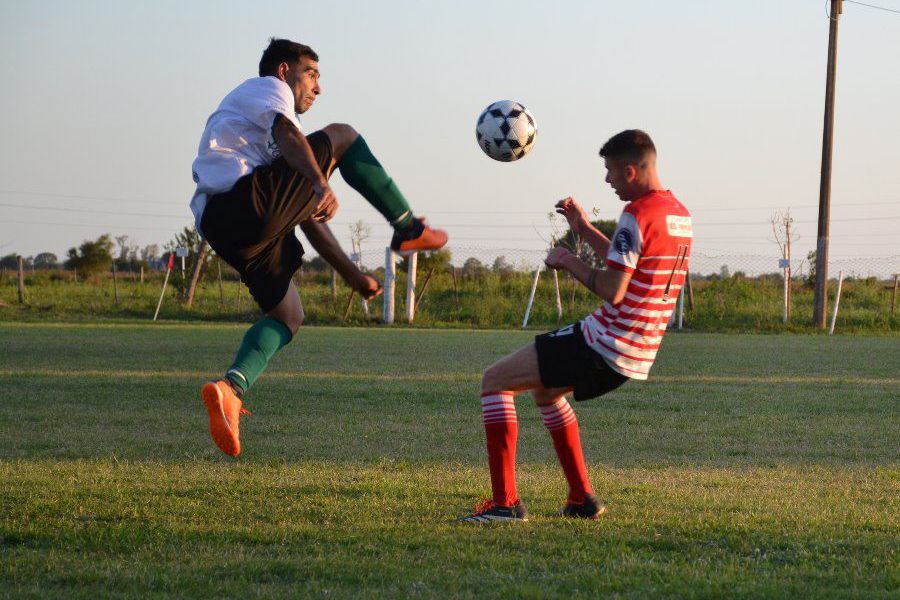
[{"x": 623, "y": 241}]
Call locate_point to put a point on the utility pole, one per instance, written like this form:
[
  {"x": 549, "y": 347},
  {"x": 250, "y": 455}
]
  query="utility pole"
[{"x": 821, "y": 295}]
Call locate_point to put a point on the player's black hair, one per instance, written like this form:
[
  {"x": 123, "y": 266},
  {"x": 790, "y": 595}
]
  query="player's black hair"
[
  {"x": 283, "y": 51},
  {"x": 632, "y": 146}
]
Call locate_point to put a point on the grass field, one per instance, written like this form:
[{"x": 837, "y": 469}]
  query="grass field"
[{"x": 748, "y": 466}]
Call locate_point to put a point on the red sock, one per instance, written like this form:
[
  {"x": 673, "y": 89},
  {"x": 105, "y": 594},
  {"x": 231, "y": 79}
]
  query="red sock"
[
  {"x": 501, "y": 429},
  {"x": 560, "y": 421}
]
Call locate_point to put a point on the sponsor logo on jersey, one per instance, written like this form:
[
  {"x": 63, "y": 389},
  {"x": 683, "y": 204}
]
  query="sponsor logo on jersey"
[{"x": 679, "y": 226}]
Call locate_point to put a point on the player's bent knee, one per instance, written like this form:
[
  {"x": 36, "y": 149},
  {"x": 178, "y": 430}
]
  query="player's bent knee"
[
  {"x": 489, "y": 380},
  {"x": 341, "y": 134},
  {"x": 543, "y": 397}
]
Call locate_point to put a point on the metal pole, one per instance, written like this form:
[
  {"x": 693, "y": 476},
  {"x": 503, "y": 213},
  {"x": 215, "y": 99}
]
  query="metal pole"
[
  {"x": 837, "y": 300},
  {"x": 537, "y": 273},
  {"x": 390, "y": 279},
  {"x": 680, "y": 308},
  {"x": 821, "y": 295},
  {"x": 165, "y": 282},
  {"x": 412, "y": 267}
]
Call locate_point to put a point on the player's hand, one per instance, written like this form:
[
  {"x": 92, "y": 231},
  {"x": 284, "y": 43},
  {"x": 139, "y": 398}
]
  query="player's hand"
[
  {"x": 573, "y": 213},
  {"x": 556, "y": 257},
  {"x": 326, "y": 205},
  {"x": 368, "y": 287}
]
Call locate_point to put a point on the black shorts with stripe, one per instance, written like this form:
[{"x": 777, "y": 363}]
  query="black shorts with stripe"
[
  {"x": 252, "y": 225},
  {"x": 565, "y": 360}
]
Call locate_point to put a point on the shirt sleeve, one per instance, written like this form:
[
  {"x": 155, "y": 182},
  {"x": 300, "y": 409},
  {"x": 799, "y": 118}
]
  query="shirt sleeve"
[
  {"x": 263, "y": 101},
  {"x": 626, "y": 244}
]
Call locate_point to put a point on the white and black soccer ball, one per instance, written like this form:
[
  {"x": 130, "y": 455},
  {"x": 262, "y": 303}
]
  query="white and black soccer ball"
[{"x": 506, "y": 131}]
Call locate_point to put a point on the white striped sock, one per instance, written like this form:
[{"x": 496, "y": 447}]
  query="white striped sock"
[
  {"x": 559, "y": 415},
  {"x": 498, "y": 407}
]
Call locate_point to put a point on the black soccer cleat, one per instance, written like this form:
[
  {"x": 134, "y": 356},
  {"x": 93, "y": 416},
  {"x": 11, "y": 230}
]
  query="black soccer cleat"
[
  {"x": 488, "y": 512},
  {"x": 590, "y": 508}
]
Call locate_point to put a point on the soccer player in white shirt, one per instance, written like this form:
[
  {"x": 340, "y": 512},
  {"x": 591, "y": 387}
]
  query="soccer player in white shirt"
[{"x": 258, "y": 177}]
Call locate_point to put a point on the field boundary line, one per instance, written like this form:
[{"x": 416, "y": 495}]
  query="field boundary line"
[{"x": 449, "y": 377}]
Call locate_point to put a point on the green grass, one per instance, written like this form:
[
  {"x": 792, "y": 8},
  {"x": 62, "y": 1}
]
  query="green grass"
[
  {"x": 748, "y": 466},
  {"x": 492, "y": 300}
]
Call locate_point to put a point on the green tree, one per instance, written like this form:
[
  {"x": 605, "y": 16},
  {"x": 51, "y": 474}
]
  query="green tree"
[
  {"x": 46, "y": 260},
  {"x": 10, "y": 261},
  {"x": 92, "y": 257},
  {"x": 437, "y": 260},
  {"x": 576, "y": 244}
]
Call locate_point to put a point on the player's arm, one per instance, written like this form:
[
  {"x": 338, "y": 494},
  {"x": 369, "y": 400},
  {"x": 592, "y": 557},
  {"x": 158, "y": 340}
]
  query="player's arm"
[
  {"x": 581, "y": 225},
  {"x": 299, "y": 156},
  {"x": 609, "y": 284},
  {"x": 327, "y": 246}
]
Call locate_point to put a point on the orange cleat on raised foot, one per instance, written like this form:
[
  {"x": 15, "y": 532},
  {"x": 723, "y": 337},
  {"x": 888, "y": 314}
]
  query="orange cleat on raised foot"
[
  {"x": 225, "y": 412},
  {"x": 420, "y": 238}
]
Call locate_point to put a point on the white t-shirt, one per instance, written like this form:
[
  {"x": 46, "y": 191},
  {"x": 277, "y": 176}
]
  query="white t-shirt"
[{"x": 238, "y": 137}]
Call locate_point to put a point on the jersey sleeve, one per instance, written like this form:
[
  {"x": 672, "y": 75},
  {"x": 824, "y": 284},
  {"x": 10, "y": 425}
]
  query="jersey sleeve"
[
  {"x": 263, "y": 102},
  {"x": 626, "y": 244}
]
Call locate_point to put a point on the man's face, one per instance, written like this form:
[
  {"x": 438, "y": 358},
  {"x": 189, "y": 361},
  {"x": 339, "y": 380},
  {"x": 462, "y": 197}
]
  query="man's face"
[
  {"x": 620, "y": 176},
  {"x": 303, "y": 79}
]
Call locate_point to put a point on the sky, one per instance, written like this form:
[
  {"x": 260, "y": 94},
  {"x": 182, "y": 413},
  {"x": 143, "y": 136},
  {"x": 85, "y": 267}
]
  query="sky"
[{"x": 104, "y": 104}]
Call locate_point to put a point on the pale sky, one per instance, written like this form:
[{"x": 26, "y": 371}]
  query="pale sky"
[{"x": 104, "y": 104}]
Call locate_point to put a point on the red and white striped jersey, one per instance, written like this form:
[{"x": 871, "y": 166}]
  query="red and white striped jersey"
[{"x": 652, "y": 242}]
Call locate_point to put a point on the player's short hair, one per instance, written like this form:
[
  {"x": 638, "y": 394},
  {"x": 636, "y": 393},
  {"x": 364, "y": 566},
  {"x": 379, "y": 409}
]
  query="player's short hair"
[
  {"x": 631, "y": 146},
  {"x": 283, "y": 51}
]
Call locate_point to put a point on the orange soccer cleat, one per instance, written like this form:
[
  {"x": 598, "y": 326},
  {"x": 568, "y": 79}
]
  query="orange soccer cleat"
[
  {"x": 420, "y": 238},
  {"x": 225, "y": 412}
]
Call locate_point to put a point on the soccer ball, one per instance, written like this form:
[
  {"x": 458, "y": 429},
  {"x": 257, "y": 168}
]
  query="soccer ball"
[{"x": 506, "y": 131}]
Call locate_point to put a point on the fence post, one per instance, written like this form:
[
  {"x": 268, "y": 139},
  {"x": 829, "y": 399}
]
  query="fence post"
[
  {"x": 537, "y": 273},
  {"x": 195, "y": 276},
  {"x": 894, "y": 295},
  {"x": 221, "y": 289},
  {"x": 21, "y": 279},
  {"x": 837, "y": 301},
  {"x": 690, "y": 291},
  {"x": 115, "y": 282},
  {"x": 412, "y": 266},
  {"x": 390, "y": 279},
  {"x": 785, "y": 311},
  {"x": 556, "y": 292},
  {"x": 333, "y": 286}
]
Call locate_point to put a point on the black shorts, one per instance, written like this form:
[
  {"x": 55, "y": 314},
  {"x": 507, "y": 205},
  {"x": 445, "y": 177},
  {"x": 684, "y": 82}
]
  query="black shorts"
[
  {"x": 252, "y": 225},
  {"x": 565, "y": 360}
]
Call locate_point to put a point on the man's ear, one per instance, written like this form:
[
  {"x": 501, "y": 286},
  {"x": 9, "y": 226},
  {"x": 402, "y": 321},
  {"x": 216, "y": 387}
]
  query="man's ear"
[
  {"x": 630, "y": 173},
  {"x": 282, "y": 70}
]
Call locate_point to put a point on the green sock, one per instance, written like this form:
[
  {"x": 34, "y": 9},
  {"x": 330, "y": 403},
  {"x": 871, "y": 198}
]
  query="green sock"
[
  {"x": 266, "y": 337},
  {"x": 362, "y": 171}
]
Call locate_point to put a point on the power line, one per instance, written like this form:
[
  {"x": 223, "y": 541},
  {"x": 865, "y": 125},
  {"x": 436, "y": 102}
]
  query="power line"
[
  {"x": 892, "y": 10},
  {"x": 187, "y": 215},
  {"x": 440, "y": 212}
]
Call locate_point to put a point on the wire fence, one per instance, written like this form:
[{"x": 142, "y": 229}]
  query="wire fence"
[{"x": 702, "y": 264}]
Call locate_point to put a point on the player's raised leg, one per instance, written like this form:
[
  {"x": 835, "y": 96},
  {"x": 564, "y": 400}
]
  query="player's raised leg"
[
  {"x": 261, "y": 342},
  {"x": 362, "y": 171}
]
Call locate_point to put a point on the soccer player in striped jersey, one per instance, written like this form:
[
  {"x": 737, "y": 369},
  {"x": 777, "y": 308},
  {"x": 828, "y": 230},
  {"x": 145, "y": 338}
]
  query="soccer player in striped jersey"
[{"x": 646, "y": 265}]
